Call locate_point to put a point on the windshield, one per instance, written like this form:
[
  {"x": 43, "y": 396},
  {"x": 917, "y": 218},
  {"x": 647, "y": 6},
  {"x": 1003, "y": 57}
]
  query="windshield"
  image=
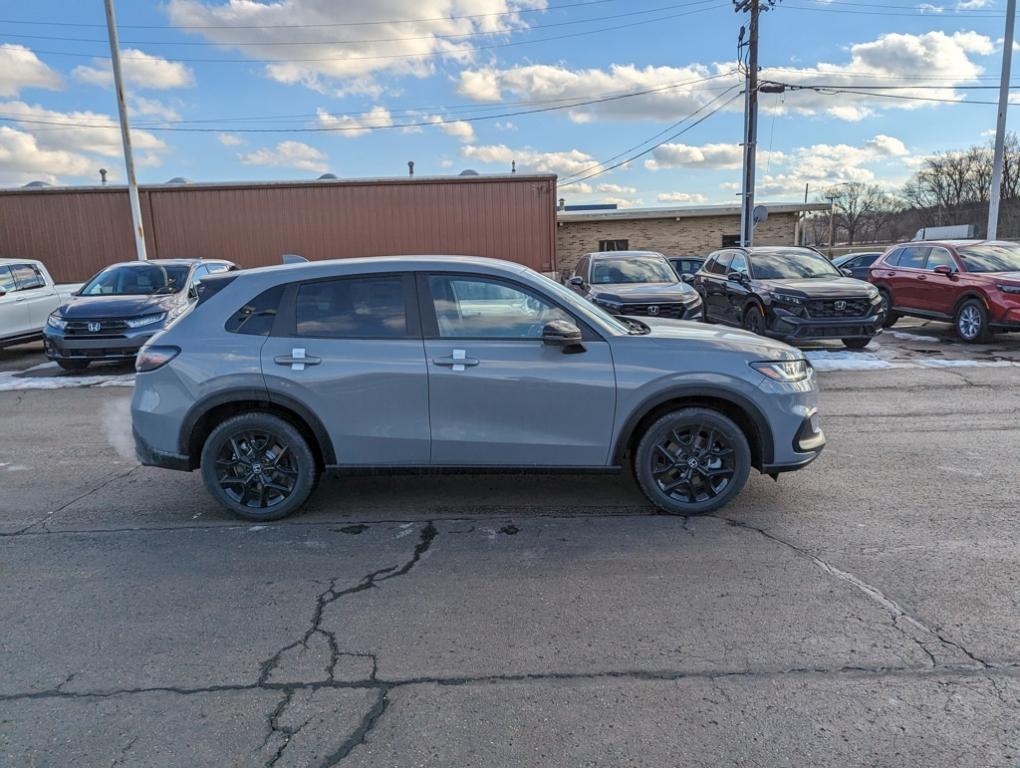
[
  {"x": 992, "y": 257},
  {"x": 585, "y": 308},
  {"x": 787, "y": 265},
  {"x": 137, "y": 280},
  {"x": 639, "y": 269}
]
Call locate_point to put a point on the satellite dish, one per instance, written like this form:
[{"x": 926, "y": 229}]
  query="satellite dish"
[
  {"x": 327, "y": 177},
  {"x": 469, "y": 172},
  {"x": 760, "y": 214}
]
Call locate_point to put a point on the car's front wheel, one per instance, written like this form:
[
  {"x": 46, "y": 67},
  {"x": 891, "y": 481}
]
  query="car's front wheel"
[
  {"x": 691, "y": 461},
  {"x": 972, "y": 321},
  {"x": 754, "y": 319},
  {"x": 73, "y": 365},
  {"x": 259, "y": 466},
  {"x": 856, "y": 343},
  {"x": 890, "y": 317}
]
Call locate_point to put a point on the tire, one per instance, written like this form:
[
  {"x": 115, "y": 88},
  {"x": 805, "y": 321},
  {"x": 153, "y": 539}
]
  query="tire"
[
  {"x": 890, "y": 317},
  {"x": 971, "y": 322},
  {"x": 680, "y": 449},
  {"x": 259, "y": 442},
  {"x": 856, "y": 343},
  {"x": 73, "y": 365},
  {"x": 704, "y": 310},
  {"x": 754, "y": 319}
]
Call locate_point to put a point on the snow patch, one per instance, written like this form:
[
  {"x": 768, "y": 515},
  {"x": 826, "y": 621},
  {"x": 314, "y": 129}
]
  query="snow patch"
[
  {"x": 910, "y": 336},
  {"x": 18, "y": 382},
  {"x": 845, "y": 360}
]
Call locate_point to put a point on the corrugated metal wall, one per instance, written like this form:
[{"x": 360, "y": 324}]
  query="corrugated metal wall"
[{"x": 76, "y": 232}]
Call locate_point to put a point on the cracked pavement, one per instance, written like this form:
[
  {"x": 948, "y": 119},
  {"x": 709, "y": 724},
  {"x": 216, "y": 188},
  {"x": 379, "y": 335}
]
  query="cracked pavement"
[{"x": 861, "y": 612}]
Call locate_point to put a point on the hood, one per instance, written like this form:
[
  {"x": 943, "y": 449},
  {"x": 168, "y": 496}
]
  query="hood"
[
  {"x": 817, "y": 288},
  {"x": 1013, "y": 277},
  {"x": 93, "y": 307},
  {"x": 641, "y": 292},
  {"x": 719, "y": 338}
]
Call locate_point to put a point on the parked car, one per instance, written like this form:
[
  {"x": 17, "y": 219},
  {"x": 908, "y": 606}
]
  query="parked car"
[
  {"x": 858, "y": 264},
  {"x": 685, "y": 265},
  {"x": 27, "y": 296},
  {"x": 457, "y": 363},
  {"x": 115, "y": 313},
  {"x": 788, "y": 293},
  {"x": 974, "y": 284},
  {"x": 635, "y": 283}
]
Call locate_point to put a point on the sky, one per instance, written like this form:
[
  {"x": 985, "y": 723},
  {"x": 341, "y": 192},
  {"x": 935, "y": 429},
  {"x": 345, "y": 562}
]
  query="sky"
[{"x": 633, "y": 102}]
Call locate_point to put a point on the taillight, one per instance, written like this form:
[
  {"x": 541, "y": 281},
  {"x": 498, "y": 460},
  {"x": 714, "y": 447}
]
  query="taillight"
[{"x": 151, "y": 358}]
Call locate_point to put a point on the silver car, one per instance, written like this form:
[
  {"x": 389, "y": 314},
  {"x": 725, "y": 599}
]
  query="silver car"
[{"x": 405, "y": 364}]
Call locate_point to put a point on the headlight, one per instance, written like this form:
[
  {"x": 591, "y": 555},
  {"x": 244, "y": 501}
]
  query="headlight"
[
  {"x": 785, "y": 298},
  {"x": 138, "y": 322},
  {"x": 1009, "y": 288},
  {"x": 789, "y": 371},
  {"x": 56, "y": 321}
]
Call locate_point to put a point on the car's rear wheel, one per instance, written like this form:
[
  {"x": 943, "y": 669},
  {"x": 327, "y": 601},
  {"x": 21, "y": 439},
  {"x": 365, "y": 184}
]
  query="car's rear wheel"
[
  {"x": 691, "y": 461},
  {"x": 890, "y": 317},
  {"x": 856, "y": 343},
  {"x": 754, "y": 319},
  {"x": 972, "y": 322},
  {"x": 259, "y": 466},
  {"x": 73, "y": 365}
]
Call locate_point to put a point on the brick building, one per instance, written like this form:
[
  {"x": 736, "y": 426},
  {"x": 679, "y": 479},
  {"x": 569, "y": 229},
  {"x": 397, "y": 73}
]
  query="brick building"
[{"x": 686, "y": 231}]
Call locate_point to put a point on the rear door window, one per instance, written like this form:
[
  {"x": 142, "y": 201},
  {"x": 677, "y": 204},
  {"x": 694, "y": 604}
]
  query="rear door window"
[
  {"x": 352, "y": 308},
  {"x": 27, "y": 277},
  {"x": 7, "y": 283},
  {"x": 893, "y": 259},
  {"x": 913, "y": 257}
]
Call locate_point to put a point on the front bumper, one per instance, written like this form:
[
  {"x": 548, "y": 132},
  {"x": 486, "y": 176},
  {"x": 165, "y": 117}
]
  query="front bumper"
[
  {"x": 787, "y": 326},
  {"x": 122, "y": 347}
]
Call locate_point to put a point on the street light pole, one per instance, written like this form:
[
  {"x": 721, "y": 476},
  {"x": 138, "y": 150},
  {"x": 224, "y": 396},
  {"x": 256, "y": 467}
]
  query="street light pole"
[
  {"x": 1000, "y": 126},
  {"x": 125, "y": 134}
]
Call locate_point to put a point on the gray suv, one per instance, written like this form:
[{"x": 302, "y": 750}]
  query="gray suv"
[{"x": 405, "y": 364}]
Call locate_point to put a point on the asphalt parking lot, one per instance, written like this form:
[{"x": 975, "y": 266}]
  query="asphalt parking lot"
[{"x": 863, "y": 612}]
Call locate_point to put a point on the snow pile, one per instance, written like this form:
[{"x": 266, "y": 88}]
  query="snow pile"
[
  {"x": 16, "y": 381},
  {"x": 845, "y": 360}
]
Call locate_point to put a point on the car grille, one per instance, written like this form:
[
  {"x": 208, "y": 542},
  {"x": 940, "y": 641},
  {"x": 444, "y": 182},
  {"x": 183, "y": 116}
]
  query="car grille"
[
  {"x": 824, "y": 308},
  {"x": 672, "y": 310},
  {"x": 110, "y": 327}
]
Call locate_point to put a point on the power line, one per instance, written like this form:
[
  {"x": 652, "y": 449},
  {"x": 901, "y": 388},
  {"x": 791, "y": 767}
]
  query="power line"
[
  {"x": 310, "y": 26},
  {"x": 631, "y": 158},
  {"x": 921, "y": 12},
  {"x": 361, "y": 42},
  {"x": 344, "y": 129},
  {"x": 422, "y": 55}
]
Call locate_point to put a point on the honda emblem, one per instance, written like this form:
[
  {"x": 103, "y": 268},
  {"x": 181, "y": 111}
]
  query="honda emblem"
[
  {"x": 840, "y": 305},
  {"x": 95, "y": 327},
  {"x": 653, "y": 309}
]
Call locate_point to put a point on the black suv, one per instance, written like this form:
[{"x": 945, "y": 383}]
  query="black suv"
[
  {"x": 789, "y": 293},
  {"x": 635, "y": 283}
]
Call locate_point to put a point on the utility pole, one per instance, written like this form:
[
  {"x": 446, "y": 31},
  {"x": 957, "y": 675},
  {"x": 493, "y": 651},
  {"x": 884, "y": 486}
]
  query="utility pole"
[
  {"x": 750, "y": 124},
  {"x": 832, "y": 223},
  {"x": 125, "y": 134},
  {"x": 1000, "y": 126}
]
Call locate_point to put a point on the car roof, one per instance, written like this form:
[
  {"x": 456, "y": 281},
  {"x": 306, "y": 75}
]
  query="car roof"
[
  {"x": 620, "y": 254},
  {"x": 168, "y": 262},
  {"x": 327, "y": 267},
  {"x": 953, "y": 243},
  {"x": 6, "y": 262}
]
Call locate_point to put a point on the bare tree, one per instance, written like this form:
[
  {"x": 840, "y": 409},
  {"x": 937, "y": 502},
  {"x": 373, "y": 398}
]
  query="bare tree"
[{"x": 861, "y": 210}]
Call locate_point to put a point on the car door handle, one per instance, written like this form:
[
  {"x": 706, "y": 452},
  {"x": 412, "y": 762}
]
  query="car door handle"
[
  {"x": 297, "y": 360},
  {"x": 922, "y": 277},
  {"x": 458, "y": 360}
]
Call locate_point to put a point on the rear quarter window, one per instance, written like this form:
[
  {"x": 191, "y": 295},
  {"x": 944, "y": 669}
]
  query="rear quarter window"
[{"x": 256, "y": 317}]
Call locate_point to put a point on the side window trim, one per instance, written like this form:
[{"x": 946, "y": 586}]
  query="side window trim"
[
  {"x": 430, "y": 325},
  {"x": 285, "y": 325}
]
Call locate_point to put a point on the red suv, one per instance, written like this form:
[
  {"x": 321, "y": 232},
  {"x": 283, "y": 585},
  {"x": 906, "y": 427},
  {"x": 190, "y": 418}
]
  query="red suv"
[{"x": 974, "y": 284}]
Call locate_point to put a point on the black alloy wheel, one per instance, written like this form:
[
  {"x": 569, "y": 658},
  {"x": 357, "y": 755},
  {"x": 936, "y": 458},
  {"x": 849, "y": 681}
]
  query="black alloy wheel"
[
  {"x": 692, "y": 461},
  {"x": 754, "y": 320},
  {"x": 259, "y": 466},
  {"x": 856, "y": 343},
  {"x": 890, "y": 317}
]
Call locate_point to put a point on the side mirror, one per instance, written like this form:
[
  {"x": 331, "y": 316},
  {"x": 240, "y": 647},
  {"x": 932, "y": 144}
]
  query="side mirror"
[
  {"x": 560, "y": 333},
  {"x": 737, "y": 277},
  {"x": 847, "y": 272},
  {"x": 944, "y": 269},
  {"x": 576, "y": 281},
  {"x": 687, "y": 277},
  {"x": 3, "y": 292}
]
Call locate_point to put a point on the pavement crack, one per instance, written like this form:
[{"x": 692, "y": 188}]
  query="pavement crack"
[
  {"x": 896, "y": 611},
  {"x": 361, "y": 733}
]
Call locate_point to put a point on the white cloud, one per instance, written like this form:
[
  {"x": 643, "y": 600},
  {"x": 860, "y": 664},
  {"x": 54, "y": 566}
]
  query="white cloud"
[
  {"x": 84, "y": 131},
  {"x": 288, "y": 154},
  {"x": 345, "y": 58},
  {"x": 351, "y": 126},
  {"x": 681, "y": 197},
  {"x": 141, "y": 70},
  {"x": 529, "y": 160},
  {"x": 929, "y": 8},
  {"x": 22, "y": 159},
  {"x": 459, "y": 129},
  {"x": 153, "y": 108},
  {"x": 504, "y": 125},
  {"x": 945, "y": 59},
  {"x": 21, "y": 68},
  {"x": 690, "y": 156},
  {"x": 971, "y": 5},
  {"x": 229, "y": 139},
  {"x": 622, "y": 202},
  {"x": 577, "y": 188},
  {"x": 616, "y": 189}
]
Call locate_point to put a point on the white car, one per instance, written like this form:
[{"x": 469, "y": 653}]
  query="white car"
[{"x": 27, "y": 297}]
